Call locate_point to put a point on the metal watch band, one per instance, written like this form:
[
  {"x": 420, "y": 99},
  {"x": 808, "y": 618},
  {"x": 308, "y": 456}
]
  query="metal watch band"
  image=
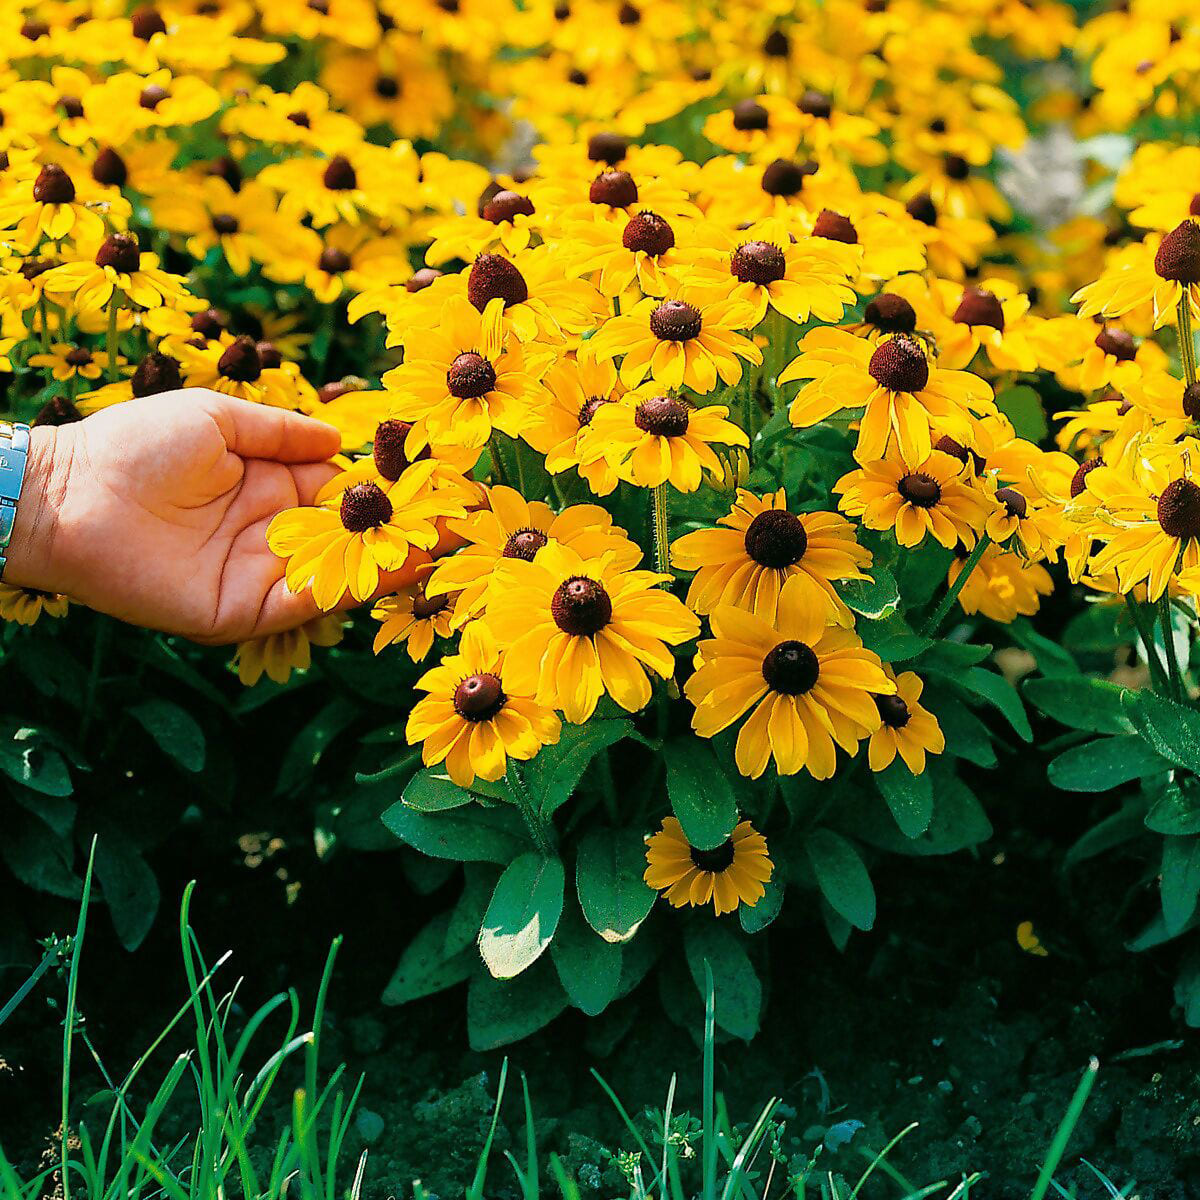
[{"x": 14, "y": 453}]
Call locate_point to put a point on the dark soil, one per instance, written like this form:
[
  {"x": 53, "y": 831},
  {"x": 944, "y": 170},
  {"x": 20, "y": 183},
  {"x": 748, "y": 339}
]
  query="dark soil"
[{"x": 936, "y": 1017}]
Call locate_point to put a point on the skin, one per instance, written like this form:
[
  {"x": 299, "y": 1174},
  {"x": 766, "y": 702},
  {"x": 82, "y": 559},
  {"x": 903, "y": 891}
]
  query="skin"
[{"x": 156, "y": 512}]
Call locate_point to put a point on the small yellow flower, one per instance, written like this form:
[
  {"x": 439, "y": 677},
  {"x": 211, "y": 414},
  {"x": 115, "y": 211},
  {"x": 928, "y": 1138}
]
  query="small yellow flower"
[{"x": 730, "y": 874}]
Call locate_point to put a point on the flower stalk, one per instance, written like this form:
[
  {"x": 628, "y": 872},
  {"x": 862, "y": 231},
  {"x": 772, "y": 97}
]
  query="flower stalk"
[
  {"x": 939, "y": 615},
  {"x": 1174, "y": 674},
  {"x": 1158, "y": 675},
  {"x": 533, "y": 819},
  {"x": 1187, "y": 343},
  {"x": 662, "y": 533},
  {"x": 110, "y": 341}
]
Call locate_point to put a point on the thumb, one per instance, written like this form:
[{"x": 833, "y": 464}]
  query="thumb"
[{"x": 260, "y": 431}]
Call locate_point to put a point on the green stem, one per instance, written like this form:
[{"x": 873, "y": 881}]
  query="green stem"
[
  {"x": 1175, "y": 676},
  {"x": 498, "y": 473},
  {"x": 1158, "y": 675},
  {"x": 533, "y": 819},
  {"x": 662, "y": 533},
  {"x": 1183, "y": 331},
  {"x": 110, "y": 343},
  {"x": 43, "y": 325},
  {"x": 99, "y": 646},
  {"x": 939, "y": 615}
]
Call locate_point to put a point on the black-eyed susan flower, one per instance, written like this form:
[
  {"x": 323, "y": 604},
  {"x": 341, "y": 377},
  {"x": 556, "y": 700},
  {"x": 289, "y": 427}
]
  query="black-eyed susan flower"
[
  {"x": 279, "y": 654},
  {"x": 904, "y": 395},
  {"x": 809, "y": 686},
  {"x": 575, "y": 629},
  {"x": 66, "y": 360},
  {"x": 678, "y": 343},
  {"x": 474, "y": 719},
  {"x": 50, "y": 205},
  {"x": 413, "y": 617},
  {"x": 513, "y": 527},
  {"x": 1002, "y": 587},
  {"x": 762, "y": 545},
  {"x": 645, "y": 255},
  {"x": 730, "y": 874},
  {"x": 649, "y": 437},
  {"x": 24, "y": 606},
  {"x": 907, "y": 728},
  {"x": 118, "y": 263},
  {"x": 236, "y": 366},
  {"x": 934, "y": 496}
]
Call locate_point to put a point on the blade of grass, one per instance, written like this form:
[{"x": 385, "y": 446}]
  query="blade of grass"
[
  {"x": 1070, "y": 1119},
  {"x": 475, "y": 1191},
  {"x": 69, "y": 1019},
  {"x": 710, "y": 1125}
]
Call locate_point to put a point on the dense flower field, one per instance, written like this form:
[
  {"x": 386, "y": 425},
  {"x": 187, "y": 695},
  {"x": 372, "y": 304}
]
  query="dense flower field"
[{"x": 710, "y": 417}]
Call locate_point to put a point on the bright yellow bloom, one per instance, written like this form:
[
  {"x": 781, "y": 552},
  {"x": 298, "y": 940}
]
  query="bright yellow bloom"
[
  {"x": 23, "y": 606},
  {"x": 908, "y": 729},
  {"x": 732, "y": 873},
  {"x": 279, "y": 654},
  {"x": 413, "y": 617},
  {"x": 119, "y": 265}
]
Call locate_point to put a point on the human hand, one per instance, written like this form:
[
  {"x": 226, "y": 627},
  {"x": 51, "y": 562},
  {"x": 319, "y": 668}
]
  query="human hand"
[{"x": 155, "y": 511}]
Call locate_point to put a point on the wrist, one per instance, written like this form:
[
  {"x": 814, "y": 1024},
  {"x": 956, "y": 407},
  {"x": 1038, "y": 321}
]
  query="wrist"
[{"x": 30, "y": 555}]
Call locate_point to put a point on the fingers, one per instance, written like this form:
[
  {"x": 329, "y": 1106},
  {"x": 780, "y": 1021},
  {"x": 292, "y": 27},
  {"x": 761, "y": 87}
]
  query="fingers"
[{"x": 260, "y": 431}]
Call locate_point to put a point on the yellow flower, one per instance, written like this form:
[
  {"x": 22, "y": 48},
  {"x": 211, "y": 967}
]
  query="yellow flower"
[
  {"x": 49, "y": 205},
  {"x": 811, "y": 686},
  {"x": 279, "y": 654},
  {"x": 235, "y": 366},
  {"x": 574, "y": 629},
  {"x": 413, "y": 617},
  {"x": 761, "y": 547},
  {"x": 934, "y": 496},
  {"x": 513, "y": 527},
  {"x": 730, "y": 874},
  {"x": 903, "y": 393},
  {"x": 678, "y": 343},
  {"x": 24, "y": 606},
  {"x": 908, "y": 729},
  {"x": 474, "y": 719},
  {"x": 119, "y": 264},
  {"x": 649, "y": 438},
  {"x": 646, "y": 255},
  {"x": 68, "y": 361}
]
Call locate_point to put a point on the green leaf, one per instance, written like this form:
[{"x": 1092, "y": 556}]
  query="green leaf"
[
  {"x": 909, "y": 796},
  {"x": 892, "y": 639},
  {"x": 736, "y": 986},
  {"x": 554, "y": 774},
  {"x": 503, "y": 1011},
  {"x": 608, "y": 879},
  {"x": 755, "y": 918},
  {"x": 1052, "y": 659},
  {"x": 996, "y": 690},
  {"x": 950, "y": 657},
  {"x": 1102, "y": 764},
  {"x": 1080, "y": 702},
  {"x": 966, "y": 735},
  {"x": 1117, "y": 829},
  {"x": 39, "y": 859},
  {"x": 1177, "y": 810},
  {"x": 129, "y": 886},
  {"x": 842, "y": 877},
  {"x": 1180, "y": 885},
  {"x": 875, "y": 598},
  {"x": 466, "y": 917},
  {"x": 28, "y": 760},
  {"x": 424, "y": 968},
  {"x": 432, "y": 790},
  {"x": 589, "y": 968},
  {"x": 309, "y": 745},
  {"x": 471, "y": 834},
  {"x": 1023, "y": 407},
  {"x": 174, "y": 730},
  {"x": 702, "y": 797},
  {"x": 523, "y": 914},
  {"x": 1172, "y": 729}
]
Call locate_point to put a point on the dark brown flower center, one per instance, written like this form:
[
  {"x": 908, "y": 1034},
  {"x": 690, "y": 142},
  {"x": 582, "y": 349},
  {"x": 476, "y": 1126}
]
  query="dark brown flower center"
[
  {"x": 816, "y": 104},
  {"x": 834, "y": 227},
  {"x": 713, "y": 861},
  {"x": 1179, "y": 509},
  {"x": 269, "y": 355},
  {"x": 1118, "y": 343},
  {"x": 421, "y": 279},
  {"x": 899, "y": 365},
  {"x": 146, "y": 22},
  {"x": 57, "y": 411},
  {"x": 524, "y": 544},
  {"x": 957, "y": 167},
  {"x": 505, "y": 206},
  {"x": 1014, "y": 503},
  {"x": 240, "y": 361},
  {"x": 493, "y": 277},
  {"x": 978, "y": 306},
  {"x": 156, "y": 373},
  {"x": 1178, "y": 256},
  {"x": 649, "y": 233},
  {"x": 365, "y": 506},
  {"x": 53, "y": 186},
  {"x": 920, "y": 489},
  {"x": 391, "y": 458},
  {"x": 70, "y": 106},
  {"x": 300, "y": 118},
  {"x": 791, "y": 668},
  {"x": 777, "y": 44},
  {"x": 890, "y": 313},
  {"x": 152, "y": 96},
  {"x": 785, "y": 177},
  {"x": 340, "y": 175},
  {"x": 760, "y": 263},
  {"x": 109, "y": 169},
  {"x": 425, "y": 606},
  {"x": 224, "y": 223},
  {"x": 33, "y": 30},
  {"x": 470, "y": 376},
  {"x": 922, "y": 208},
  {"x": 662, "y": 416},
  {"x": 675, "y": 321},
  {"x": 776, "y": 538},
  {"x": 1190, "y": 401},
  {"x": 614, "y": 188},
  {"x": 387, "y": 87},
  {"x": 893, "y": 711},
  {"x": 607, "y": 147},
  {"x": 208, "y": 324},
  {"x": 31, "y": 268},
  {"x": 628, "y": 14},
  {"x": 587, "y": 410},
  {"x": 119, "y": 251},
  {"x": 581, "y": 607},
  {"x": 479, "y": 697},
  {"x": 78, "y": 356},
  {"x": 224, "y": 167},
  {"x": 333, "y": 260},
  {"x": 1079, "y": 479},
  {"x": 750, "y": 115}
]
